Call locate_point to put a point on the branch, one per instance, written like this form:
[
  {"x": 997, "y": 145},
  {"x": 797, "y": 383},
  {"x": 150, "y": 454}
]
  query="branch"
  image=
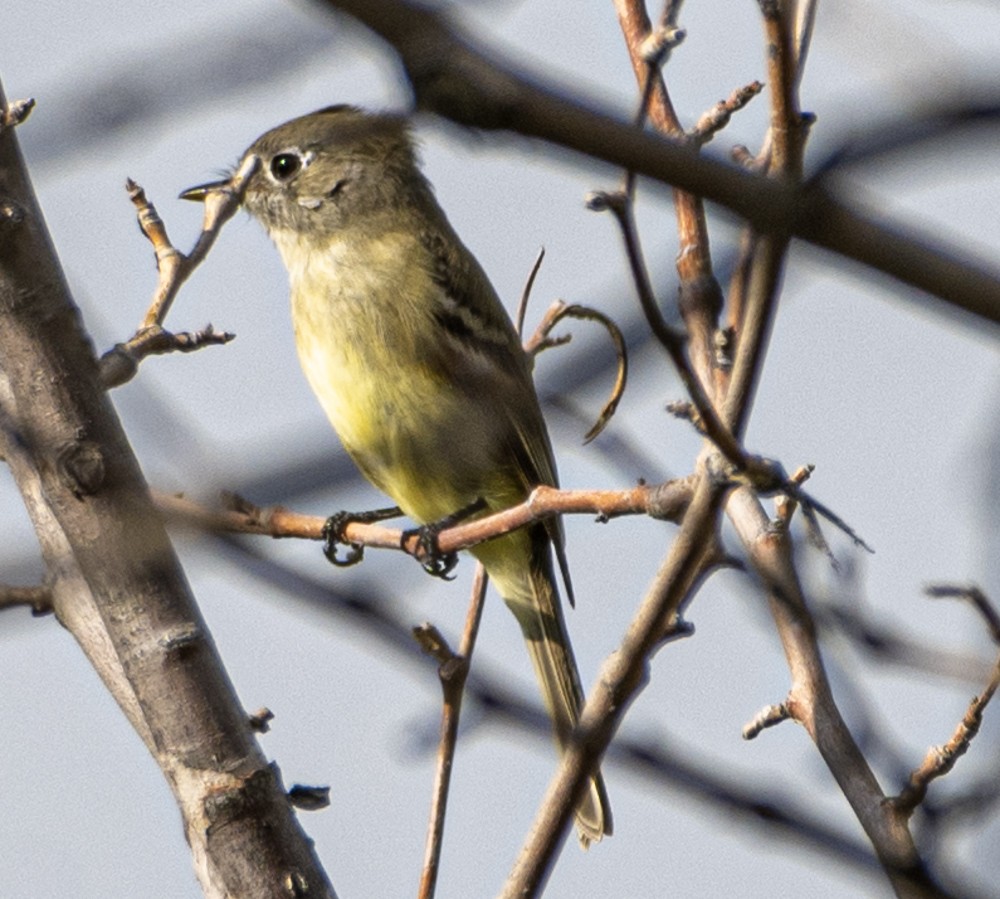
[
  {"x": 116, "y": 583},
  {"x": 622, "y": 676},
  {"x": 940, "y": 760},
  {"x": 979, "y": 601},
  {"x": 715, "y": 119},
  {"x": 620, "y": 204},
  {"x": 39, "y": 598},
  {"x": 121, "y": 362},
  {"x": 699, "y": 294},
  {"x": 453, "y": 671},
  {"x": 377, "y": 619},
  {"x": 453, "y": 79},
  {"x": 666, "y": 501},
  {"x": 810, "y": 699},
  {"x": 541, "y": 340}
]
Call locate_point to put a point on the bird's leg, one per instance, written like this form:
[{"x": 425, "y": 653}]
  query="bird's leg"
[
  {"x": 333, "y": 533},
  {"x": 434, "y": 561}
]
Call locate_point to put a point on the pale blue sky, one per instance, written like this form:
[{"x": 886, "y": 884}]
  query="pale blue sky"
[{"x": 896, "y": 410}]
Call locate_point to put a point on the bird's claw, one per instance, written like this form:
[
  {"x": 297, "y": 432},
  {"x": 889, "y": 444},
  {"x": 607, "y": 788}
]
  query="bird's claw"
[
  {"x": 432, "y": 560},
  {"x": 333, "y": 539}
]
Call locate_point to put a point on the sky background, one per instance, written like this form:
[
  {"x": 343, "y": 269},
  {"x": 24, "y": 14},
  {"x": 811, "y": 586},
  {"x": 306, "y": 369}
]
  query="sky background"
[{"x": 892, "y": 401}]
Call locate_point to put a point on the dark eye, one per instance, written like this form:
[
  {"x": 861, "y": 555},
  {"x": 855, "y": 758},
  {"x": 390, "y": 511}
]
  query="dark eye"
[{"x": 285, "y": 166}]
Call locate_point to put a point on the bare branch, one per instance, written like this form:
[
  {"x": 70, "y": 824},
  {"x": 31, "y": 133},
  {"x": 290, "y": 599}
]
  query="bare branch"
[
  {"x": 15, "y": 112},
  {"x": 666, "y": 501},
  {"x": 121, "y": 362},
  {"x": 116, "y": 582},
  {"x": 522, "y": 306},
  {"x": 453, "y": 670},
  {"x": 621, "y": 206},
  {"x": 622, "y": 676},
  {"x": 540, "y": 341},
  {"x": 713, "y": 121},
  {"x": 941, "y": 759},
  {"x": 450, "y": 77},
  {"x": 979, "y": 600},
  {"x": 699, "y": 294},
  {"x": 38, "y": 599},
  {"x": 769, "y": 716}
]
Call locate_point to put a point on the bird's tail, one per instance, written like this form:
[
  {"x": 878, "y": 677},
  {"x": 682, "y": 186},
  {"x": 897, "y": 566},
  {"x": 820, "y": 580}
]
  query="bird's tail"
[{"x": 530, "y": 592}]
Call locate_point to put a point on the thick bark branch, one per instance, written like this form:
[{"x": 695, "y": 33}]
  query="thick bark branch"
[
  {"x": 454, "y": 79},
  {"x": 116, "y": 583}
]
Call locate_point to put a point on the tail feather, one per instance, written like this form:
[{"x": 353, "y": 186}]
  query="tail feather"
[{"x": 530, "y": 592}]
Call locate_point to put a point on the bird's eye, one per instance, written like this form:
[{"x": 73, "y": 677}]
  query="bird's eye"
[{"x": 286, "y": 166}]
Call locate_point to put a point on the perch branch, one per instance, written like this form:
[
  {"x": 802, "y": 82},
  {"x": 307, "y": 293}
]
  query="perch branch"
[{"x": 121, "y": 362}]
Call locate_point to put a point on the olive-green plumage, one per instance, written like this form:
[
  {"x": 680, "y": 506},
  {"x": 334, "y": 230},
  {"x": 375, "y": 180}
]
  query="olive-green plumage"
[{"x": 416, "y": 363}]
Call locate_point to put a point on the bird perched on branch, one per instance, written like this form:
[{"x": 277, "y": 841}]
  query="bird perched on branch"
[{"x": 416, "y": 363}]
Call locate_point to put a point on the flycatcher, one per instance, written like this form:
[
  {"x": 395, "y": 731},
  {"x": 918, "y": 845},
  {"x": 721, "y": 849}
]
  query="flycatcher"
[{"x": 416, "y": 363}]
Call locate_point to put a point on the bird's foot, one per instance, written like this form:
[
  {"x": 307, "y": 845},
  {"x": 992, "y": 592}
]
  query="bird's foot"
[
  {"x": 334, "y": 534},
  {"x": 433, "y": 561}
]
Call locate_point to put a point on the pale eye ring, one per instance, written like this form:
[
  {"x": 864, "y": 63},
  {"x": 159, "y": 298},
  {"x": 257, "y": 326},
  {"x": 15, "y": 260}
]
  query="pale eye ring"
[{"x": 285, "y": 166}]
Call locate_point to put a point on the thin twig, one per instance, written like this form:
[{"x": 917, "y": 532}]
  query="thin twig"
[
  {"x": 769, "y": 716},
  {"x": 37, "y": 598},
  {"x": 941, "y": 759},
  {"x": 121, "y": 363},
  {"x": 718, "y": 433},
  {"x": 699, "y": 295},
  {"x": 979, "y": 600},
  {"x": 522, "y": 306},
  {"x": 760, "y": 276},
  {"x": 885, "y": 645},
  {"x": 453, "y": 671},
  {"x": 622, "y": 676},
  {"x": 541, "y": 340},
  {"x": 719, "y": 115},
  {"x": 666, "y": 501},
  {"x": 221, "y": 204},
  {"x": 15, "y": 112}
]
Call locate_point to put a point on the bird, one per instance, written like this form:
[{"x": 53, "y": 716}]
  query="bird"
[{"x": 417, "y": 364}]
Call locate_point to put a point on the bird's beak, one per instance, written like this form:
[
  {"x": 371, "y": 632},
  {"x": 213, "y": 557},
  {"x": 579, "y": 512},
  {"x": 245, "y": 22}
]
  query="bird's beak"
[{"x": 198, "y": 194}]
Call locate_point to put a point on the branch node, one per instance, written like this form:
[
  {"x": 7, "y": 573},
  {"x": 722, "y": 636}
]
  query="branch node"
[
  {"x": 37, "y": 598},
  {"x": 715, "y": 119},
  {"x": 606, "y": 201},
  {"x": 81, "y": 467},
  {"x": 260, "y": 721},
  {"x": 181, "y": 641},
  {"x": 723, "y": 341},
  {"x": 784, "y": 503},
  {"x": 309, "y": 798},
  {"x": 677, "y": 629},
  {"x": 659, "y": 42},
  {"x": 432, "y": 642},
  {"x": 11, "y": 214},
  {"x": 16, "y": 112},
  {"x": 768, "y": 716},
  {"x": 743, "y": 157},
  {"x": 686, "y": 411}
]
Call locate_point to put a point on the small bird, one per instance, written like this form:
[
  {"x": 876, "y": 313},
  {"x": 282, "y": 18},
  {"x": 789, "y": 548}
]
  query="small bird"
[{"x": 416, "y": 363}]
